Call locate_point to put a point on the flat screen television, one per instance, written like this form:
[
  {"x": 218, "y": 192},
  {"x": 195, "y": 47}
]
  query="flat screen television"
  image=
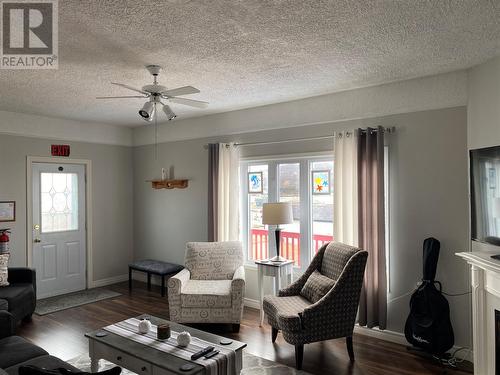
[{"x": 485, "y": 195}]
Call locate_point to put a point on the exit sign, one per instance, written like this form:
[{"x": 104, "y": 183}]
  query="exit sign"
[{"x": 59, "y": 150}]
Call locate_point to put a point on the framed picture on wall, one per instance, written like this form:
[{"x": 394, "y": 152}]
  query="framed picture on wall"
[
  {"x": 7, "y": 211},
  {"x": 255, "y": 185},
  {"x": 321, "y": 182}
]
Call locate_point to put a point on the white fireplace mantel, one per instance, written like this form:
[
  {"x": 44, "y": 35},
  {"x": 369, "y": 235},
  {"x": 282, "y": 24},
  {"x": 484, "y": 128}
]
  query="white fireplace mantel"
[{"x": 485, "y": 283}]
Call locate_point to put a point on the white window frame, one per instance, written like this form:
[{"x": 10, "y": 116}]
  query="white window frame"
[{"x": 305, "y": 161}]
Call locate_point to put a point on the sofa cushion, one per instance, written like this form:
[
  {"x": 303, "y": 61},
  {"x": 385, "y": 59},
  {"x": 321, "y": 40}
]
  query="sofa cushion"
[
  {"x": 15, "y": 349},
  {"x": 4, "y": 305},
  {"x": 4, "y": 273},
  {"x": 45, "y": 361},
  {"x": 316, "y": 286},
  {"x": 285, "y": 311},
  {"x": 206, "y": 293},
  {"x": 18, "y": 294}
]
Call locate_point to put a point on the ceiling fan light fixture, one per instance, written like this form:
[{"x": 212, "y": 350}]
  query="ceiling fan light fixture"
[
  {"x": 147, "y": 111},
  {"x": 168, "y": 111}
]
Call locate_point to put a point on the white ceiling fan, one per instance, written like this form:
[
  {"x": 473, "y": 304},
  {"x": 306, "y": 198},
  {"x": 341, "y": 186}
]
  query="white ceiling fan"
[{"x": 155, "y": 93}]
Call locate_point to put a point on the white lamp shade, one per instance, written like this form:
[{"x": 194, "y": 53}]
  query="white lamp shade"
[{"x": 277, "y": 213}]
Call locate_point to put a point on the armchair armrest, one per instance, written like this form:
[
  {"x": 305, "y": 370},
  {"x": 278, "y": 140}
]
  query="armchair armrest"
[
  {"x": 7, "y": 324},
  {"x": 238, "y": 294},
  {"x": 238, "y": 281},
  {"x": 174, "y": 286},
  {"x": 175, "y": 282}
]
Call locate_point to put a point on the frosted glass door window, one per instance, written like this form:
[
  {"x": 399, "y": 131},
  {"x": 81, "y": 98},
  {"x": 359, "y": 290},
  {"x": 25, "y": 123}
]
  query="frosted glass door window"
[{"x": 59, "y": 202}]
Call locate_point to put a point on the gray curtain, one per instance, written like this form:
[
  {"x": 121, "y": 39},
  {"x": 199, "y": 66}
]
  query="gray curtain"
[
  {"x": 213, "y": 189},
  {"x": 371, "y": 226}
]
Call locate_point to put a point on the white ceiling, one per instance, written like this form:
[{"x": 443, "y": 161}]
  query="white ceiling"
[{"x": 246, "y": 53}]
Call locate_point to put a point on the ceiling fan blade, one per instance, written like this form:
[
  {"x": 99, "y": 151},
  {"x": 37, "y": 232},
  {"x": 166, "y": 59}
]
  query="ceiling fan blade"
[
  {"x": 130, "y": 88},
  {"x": 185, "y": 90},
  {"x": 190, "y": 102},
  {"x": 121, "y": 97}
]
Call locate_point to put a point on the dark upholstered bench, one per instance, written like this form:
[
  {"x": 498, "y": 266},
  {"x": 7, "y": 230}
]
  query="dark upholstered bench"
[{"x": 153, "y": 267}]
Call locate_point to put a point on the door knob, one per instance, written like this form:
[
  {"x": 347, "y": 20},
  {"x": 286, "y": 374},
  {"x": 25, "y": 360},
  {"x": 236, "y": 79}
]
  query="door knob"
[{"x": 37, "y": 240}]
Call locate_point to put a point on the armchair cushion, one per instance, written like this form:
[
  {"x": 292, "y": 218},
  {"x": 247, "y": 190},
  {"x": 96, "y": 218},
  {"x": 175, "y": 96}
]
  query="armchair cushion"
[
  {"x": 206, "y": 293},
  {"x": 213, "y": 260},
  {"x": 316, "y": 287},
  {"x": 284, "y": 311}
]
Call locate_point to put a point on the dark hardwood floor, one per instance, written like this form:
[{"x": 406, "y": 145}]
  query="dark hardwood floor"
[{"x": 61, "y": 334}]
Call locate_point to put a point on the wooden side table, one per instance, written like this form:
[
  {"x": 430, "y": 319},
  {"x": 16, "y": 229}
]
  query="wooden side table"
[{"x": 276, "y": 270}]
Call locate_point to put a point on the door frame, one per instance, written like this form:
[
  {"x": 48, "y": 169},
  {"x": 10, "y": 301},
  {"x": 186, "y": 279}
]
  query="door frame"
[{"x": 89, "y": 272}]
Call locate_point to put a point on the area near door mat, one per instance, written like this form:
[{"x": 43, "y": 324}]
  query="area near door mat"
[{"x": 67, "y": 301}]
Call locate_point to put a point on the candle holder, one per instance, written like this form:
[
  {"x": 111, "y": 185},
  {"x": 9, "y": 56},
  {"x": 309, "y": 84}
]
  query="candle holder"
[{"x": 163, "y": 331}]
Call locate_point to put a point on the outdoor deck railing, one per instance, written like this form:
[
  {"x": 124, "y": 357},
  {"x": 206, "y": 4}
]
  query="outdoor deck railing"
[{"x": 289, "y": 247}]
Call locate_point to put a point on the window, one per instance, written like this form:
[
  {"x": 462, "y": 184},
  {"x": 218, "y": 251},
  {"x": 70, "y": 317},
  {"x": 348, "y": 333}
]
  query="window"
[
  {"x": 304, "y": 182},
  {"x": 59, "y": 198}
]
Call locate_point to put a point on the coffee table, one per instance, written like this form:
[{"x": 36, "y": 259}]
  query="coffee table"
[{"x": 145, "y": 360}]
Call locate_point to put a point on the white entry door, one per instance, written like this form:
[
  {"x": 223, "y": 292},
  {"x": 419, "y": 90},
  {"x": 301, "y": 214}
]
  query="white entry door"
[{"x": 59, "y": 249}]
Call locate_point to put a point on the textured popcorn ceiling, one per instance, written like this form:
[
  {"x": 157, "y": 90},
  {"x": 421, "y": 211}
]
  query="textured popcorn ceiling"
[{"x": 246, "y": 53}]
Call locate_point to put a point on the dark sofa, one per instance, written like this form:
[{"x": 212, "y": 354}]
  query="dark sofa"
[
  {"x": 16, "y": 351},
  {"x": 17, "y": 300}
]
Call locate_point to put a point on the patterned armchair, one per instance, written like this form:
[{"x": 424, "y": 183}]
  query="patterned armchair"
[
  {"x": 211, "y": 287},
  {"x": 332, "y": 316}
]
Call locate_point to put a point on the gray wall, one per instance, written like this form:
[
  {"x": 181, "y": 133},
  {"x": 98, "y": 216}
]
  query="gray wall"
[
  {"x": 483, "y": 107},
  {"x": 483, "y": 116},
  {"x": 428, "y": 197},
  {"x": 112, "y": 193}
]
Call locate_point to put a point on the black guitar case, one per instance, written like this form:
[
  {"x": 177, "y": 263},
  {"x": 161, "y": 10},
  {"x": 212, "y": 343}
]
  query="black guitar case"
[{"x": 428, "y": 326}]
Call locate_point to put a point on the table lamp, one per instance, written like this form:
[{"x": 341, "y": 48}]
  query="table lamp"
[{"x": 277, "y": 214}]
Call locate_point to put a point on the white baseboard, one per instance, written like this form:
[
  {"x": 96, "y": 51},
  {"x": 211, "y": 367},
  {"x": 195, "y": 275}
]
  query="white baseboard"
[
  {"x": 386, "y": 335},
  {"x": 399, "y": 338},
  {"x": 109, "y": 281},
  {"x": 253, "y": 303}
]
